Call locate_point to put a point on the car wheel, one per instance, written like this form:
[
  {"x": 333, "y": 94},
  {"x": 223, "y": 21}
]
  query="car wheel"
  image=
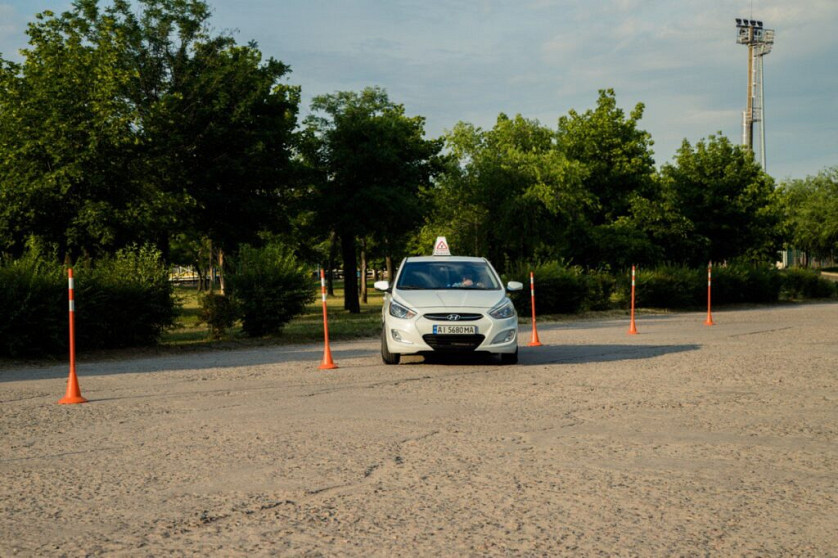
[
  {"x": 509, "y": 358},
  {"x": 386, "y": 355}
]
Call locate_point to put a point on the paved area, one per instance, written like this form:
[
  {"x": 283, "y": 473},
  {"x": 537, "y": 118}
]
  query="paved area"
[{"x": 682, "y": 440}]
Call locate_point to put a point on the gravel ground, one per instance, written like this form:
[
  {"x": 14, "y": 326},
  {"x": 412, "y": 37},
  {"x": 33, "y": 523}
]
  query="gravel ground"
[{"x": 684, "y": 440}]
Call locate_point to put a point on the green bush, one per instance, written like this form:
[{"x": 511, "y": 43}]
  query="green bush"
[
  {"x": 219, "y": 312},
  {"x": 601, "y": 287},
  {"x": 33, "y": 306},
  {"x": 559, "y": 289},
  {"x": 671, "y": 286},
  {"x": 124, "y": 300},
  {"x": 269, "y": 287},
  {"x": 806, "y": 283},
  {"x": 745, "y": 282},
  {"x": 667, "y": 286}
]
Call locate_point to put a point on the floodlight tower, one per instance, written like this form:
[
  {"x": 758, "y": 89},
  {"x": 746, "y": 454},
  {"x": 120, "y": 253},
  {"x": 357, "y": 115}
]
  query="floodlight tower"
[{"x": 759, "y": 41}]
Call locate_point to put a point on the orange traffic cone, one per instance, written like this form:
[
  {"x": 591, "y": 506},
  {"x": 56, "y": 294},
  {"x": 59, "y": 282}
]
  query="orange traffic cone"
[
  {"x": 73, "y": 394},
  {"x": 709, "y": 321},
  {"x": 633, "y": 326},
  {"x": 327, "y": 363},
  {"x": 534, "y": 341}
]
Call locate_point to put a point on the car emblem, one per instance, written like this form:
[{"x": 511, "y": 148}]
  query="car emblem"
[{"x": 453, "y": 317}]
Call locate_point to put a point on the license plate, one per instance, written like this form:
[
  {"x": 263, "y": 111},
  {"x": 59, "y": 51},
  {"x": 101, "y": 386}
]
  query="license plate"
[{"x": 455, "y": 330}]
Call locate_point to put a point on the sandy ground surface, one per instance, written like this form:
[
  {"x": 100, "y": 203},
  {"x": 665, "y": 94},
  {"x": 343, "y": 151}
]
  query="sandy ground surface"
[{"x": 682, "y": 440}]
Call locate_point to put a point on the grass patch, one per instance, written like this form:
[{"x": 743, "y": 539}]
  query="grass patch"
[{"x": 306, "y": 328}]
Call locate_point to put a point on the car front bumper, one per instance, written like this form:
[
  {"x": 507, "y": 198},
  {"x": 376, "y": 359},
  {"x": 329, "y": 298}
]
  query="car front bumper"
[{"x": 416, "y": 335}]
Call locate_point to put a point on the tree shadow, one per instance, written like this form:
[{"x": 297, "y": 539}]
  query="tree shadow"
[{"x": 179, "y": 360}]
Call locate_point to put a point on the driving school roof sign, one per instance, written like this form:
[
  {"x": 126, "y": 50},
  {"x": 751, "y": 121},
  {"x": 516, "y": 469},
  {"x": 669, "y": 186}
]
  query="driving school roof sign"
[{"x": 441, "y": 247}]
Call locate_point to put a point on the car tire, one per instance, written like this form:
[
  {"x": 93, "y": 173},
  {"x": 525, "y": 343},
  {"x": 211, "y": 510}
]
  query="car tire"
[
  {"x": 509, "y": 358},
  {"x": 386, "y": 355}
]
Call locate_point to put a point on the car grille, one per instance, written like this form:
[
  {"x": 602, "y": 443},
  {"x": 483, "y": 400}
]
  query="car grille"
[
  {"x": 453, "y": 342},
  {"x": 449, "y": 317}
]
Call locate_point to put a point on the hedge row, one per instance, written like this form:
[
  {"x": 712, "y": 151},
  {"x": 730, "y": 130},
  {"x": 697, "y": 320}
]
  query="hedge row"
[
  {"x": 127, "y": 300},
  {"x": 563, "y": 289},
  {"x": 122, "y": 301}
]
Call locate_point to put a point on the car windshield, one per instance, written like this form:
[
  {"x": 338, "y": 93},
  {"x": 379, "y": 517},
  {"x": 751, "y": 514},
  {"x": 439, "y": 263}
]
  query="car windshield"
[{"x": 447, "y": 275}]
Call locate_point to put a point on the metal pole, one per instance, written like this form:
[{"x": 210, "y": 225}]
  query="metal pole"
[
  {"x": 749, "y": 110},
  {"x": 762, "y": 114}
]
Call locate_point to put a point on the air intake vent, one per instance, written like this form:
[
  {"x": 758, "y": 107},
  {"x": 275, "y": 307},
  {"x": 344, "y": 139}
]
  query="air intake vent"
[
  {"x": 453, "y": 343},
  {"x": 453, "y": 317}
]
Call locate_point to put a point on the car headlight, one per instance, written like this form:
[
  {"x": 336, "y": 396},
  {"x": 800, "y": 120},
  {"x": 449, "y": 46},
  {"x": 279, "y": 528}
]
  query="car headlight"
[
  {"x": 505, "y": 310},
  {"x": 399, "y": 311}
]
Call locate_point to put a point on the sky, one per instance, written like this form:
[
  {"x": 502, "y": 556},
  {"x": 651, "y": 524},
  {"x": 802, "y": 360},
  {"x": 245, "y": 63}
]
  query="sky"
[{"x": 470, "y": 60}]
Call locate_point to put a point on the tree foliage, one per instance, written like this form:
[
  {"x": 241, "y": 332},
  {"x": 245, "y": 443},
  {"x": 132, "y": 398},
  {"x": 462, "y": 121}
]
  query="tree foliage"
[
  {"x": 508, "y": 192},
  {"x": 368, "y": 160},
  {"x": 616, "y": 153},
  {"x": 727, "y": 197},
  {"x": 810, "y": 208},
  {"x": 122, "y": 126}
]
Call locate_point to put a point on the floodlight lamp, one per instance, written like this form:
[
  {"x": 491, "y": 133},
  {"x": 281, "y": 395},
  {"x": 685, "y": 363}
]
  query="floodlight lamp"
[
  {"x": 759, "y": 24},
  {"x": 738, "y": 21}
]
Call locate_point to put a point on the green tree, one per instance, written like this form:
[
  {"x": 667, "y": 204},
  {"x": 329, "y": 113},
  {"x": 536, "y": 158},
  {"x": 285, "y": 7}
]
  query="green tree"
[
  {"x": 68, "y": 136},
  {"x": 507, "y": 194},
  {"x": 727, "y": 197},
  {"x": 617, "y": 154},
  {"x": 368, "y": 161},
  {"x": 619, "y": 175},
  {"x": 220, "y": 136},
  {"x": 126, "y": 125},
  {"x": 810, "y": 208},
  {"x": 668, "y": 235}
]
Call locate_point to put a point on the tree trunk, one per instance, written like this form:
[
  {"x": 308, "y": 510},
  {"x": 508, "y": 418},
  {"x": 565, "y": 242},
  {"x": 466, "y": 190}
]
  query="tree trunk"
[
  {"x": 200, "y": 282},
  {"x": 389, "y": 263},
  {"x": 363, "y": 276},
  {"x": 210, "y": 270},
  {"x": 221, "y": 282},
  {"x": 330, "y": 281},
  {"x": 350, "y": 270}
]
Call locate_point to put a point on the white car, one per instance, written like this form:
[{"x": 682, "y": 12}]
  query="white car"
[{"x": 448, "y": 304}]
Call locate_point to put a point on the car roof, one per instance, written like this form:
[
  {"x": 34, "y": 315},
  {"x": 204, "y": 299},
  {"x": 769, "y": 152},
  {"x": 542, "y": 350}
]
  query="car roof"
[{"x": 444, "y": 259}]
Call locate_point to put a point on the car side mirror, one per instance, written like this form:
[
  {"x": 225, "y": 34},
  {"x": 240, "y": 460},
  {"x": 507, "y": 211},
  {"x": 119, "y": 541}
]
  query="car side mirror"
[
  {"x": 382, "y": 286},
  {"x": 514, "y": 286}
]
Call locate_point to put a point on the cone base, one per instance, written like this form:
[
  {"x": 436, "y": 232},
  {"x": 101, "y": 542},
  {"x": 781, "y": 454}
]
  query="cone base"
[
  {"x": 632, "y": 330},
  {"x": 535, "y": 343},
  {"x": 709, "y": 323},
  {"x": 327, "y": 366},
  {"x": 71, "y": 400}
]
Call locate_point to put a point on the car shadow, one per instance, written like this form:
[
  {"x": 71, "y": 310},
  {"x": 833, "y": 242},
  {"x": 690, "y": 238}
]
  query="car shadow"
[
  {"x": 556, "y": 354},
  {"x": 559, "y": 354}
]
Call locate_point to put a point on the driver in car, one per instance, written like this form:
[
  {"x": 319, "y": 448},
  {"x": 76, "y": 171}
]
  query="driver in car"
[{"x": 468, "y": 280}]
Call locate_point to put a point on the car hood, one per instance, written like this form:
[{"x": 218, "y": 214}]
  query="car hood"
[{"x": 450, "y": 298}]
